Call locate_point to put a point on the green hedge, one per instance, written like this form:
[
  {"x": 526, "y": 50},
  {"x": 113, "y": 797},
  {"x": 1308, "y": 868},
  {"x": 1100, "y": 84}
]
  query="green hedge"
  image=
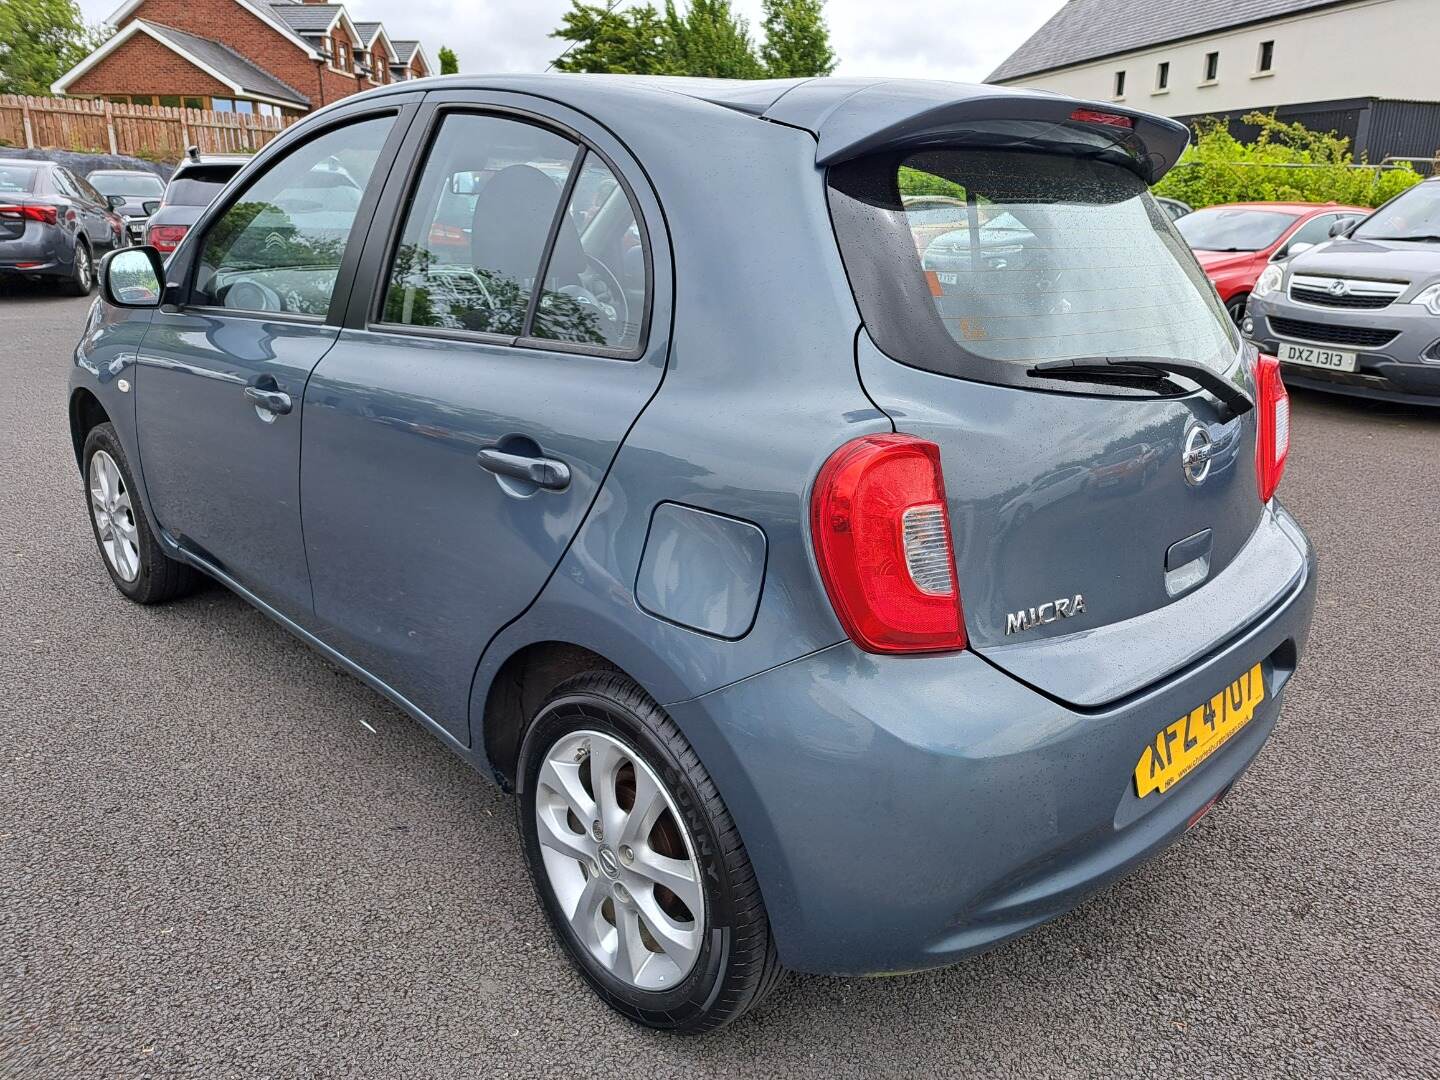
[{"x": 1218, "y": 168}]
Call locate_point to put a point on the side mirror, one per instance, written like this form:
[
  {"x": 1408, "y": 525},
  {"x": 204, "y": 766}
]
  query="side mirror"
[
  {"x": 1341, "y": 226},
  {"x": 150, "y": 206},
  {"x": 1296, "y": 248},
  {"x": 115, "y": 201},
  {"x": 132, "y": 277}
]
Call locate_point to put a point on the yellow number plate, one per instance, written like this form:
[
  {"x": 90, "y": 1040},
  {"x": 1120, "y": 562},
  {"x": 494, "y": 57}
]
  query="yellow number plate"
[{"x": 1176, "y": 750}]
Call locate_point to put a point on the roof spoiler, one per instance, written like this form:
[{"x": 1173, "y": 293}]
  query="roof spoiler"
[{"x": 911, "y": 115}]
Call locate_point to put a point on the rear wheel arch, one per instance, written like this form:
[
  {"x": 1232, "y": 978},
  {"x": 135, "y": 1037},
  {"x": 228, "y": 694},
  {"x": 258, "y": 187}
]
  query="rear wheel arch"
[
  {"x": 518, "y": 689},
  {"x": 86, "y": 414}
]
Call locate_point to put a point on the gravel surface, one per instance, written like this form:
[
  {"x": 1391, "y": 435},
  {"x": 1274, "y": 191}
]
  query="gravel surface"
[{"x": 210, "y": 867}]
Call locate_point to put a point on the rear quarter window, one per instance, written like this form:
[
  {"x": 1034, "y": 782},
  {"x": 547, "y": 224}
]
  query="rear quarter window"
[{"x": 982, "y": 263}]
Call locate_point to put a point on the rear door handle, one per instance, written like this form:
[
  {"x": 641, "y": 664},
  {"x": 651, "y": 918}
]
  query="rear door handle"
[
  {"x": 542, "y": 471},
  {"x": 270, "y": 400}
]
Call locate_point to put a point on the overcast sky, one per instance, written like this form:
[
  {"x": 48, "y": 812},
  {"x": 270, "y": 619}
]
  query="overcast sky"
[{"x": 951, "y": 39}]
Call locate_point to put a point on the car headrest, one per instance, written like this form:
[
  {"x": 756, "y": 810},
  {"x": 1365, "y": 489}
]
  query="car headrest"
[{"x": 513, "y": 213}]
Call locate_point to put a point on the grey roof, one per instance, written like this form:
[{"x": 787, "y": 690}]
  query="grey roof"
[
  {"x": 404, "y": 49},
  {"x": 230, "y": 64},
  {"x": 307, "y": 18},
  {"x": 368, "y": 30},
  {"x": 1090, "y": 29}
]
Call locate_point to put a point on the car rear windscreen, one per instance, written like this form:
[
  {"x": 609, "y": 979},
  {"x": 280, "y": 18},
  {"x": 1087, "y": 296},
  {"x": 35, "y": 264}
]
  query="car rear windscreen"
[
  {"x": 198, "y": 186},
  {"x": 16, "y": 178},
  {"x": 963, "y": 260}
]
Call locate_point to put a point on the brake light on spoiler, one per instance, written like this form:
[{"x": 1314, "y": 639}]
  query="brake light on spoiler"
[
  {"x": 881, "y": 531},
  {"x": 1272, "y": 432},
  {"x": 1095, "y": 116}
]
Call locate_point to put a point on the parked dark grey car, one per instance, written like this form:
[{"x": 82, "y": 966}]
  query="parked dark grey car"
[
  {"x": 618, "y": 432},
  {"x": 194, "y": 183},
  {"x": 140, "y": 192},
  {"x": 1360, "y": 314},
  {"x": 53, "y": 224}
]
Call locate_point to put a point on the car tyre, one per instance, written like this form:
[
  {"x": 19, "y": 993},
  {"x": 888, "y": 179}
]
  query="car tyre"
[
  {"x": 128, "y": 549},
  {"x": 1236, "y": 307},
  {"x": 82, "y": 273},
  {"x": 588, "y": 733}
]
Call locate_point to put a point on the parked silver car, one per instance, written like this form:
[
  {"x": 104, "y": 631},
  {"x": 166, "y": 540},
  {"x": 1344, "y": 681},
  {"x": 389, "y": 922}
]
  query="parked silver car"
[{"x": 1360, "y": 314}]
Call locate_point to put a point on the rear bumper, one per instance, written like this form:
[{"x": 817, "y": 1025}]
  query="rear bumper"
[
  {"x": 903, "y": 812},
  {"x": 39, "y": 251},
  {"x": 1405, "y": 369}
]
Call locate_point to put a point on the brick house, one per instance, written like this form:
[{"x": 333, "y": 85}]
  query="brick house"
[{"x": 269, "y": 57}]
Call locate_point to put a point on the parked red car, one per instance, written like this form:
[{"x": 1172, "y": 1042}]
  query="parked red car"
[{"x": 1235, "y": 242}]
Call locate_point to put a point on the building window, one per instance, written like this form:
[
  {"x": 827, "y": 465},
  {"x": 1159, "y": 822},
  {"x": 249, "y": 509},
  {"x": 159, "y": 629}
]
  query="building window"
[
  {"x": 194, "y": 103},
  {"x": 1266, "y": 60},
  {"x": 222, "y": 104},
  {"x": 1119, "y": 84},
  {"x": 1212, "y": 67},
  {"x": 1162, "y": 75}
]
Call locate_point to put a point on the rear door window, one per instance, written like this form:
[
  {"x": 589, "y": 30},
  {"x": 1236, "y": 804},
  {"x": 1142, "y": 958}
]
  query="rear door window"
[
  {"x": 518, "y": 231},
  {"x": 477, "y": 225},
  {"x": 1015, "y": 258}
]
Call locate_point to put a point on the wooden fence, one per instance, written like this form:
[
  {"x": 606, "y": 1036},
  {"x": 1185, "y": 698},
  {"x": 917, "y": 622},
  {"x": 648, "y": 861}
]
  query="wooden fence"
[{"x": 156, "y": 132}]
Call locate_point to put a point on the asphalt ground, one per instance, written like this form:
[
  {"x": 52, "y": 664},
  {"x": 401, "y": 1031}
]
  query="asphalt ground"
[{"x": 211, "y": 866}]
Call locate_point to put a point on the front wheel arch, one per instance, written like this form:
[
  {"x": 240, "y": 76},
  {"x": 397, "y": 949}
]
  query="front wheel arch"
[{"x": 86, "y": 414}]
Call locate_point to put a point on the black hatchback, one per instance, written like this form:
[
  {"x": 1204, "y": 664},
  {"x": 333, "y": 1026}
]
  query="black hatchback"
[{"x": 54, "y": 224}]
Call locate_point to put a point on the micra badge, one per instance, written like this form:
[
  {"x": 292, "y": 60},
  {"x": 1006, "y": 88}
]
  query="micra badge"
[{"x": 1064, "y": 608}]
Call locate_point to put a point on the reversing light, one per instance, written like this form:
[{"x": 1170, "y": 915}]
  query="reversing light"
[
  {"x": 1272, "y": 434},
  {"x": 881, "y": 532},
  {"x": 1095, "y": 116}
]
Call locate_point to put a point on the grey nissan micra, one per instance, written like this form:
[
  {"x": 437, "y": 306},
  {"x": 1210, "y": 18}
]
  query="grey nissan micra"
[{"x": 840, "y": 510}]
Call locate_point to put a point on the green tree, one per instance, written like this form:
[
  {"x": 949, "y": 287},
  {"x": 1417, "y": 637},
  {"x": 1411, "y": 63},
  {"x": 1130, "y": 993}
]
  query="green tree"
[
  {"x": 1287, "y": 162},
  {"x": 40, "y": 40},
  {"x": 710, "y": 40},
  {"x": 629, "y": 42},
  {"x": 797, "y": 41},
  {"x": 448, "y": 64}
]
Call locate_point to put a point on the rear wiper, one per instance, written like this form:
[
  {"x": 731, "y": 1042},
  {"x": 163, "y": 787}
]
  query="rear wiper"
[{"x": 1235, "y": 400}]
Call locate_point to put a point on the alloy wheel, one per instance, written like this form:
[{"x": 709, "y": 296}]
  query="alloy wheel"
[
  {"x": 82, "y": 267},
  {"x": 114, "y": 516},
  {"x": 620, "y": 860}
]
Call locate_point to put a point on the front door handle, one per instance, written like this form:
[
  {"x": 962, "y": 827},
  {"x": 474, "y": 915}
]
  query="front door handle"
[
  {"x": 541, "y": 471},
  {"x": 270, "y": 400}
]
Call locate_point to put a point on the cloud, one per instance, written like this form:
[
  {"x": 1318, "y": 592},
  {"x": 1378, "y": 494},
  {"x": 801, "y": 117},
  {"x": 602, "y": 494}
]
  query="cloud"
[{"x": 899, "y": 38}]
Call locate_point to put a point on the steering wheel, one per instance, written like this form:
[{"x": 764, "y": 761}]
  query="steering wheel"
[
  {"x": 617, "y": 302},
  {"x": 247, "y": 295}
]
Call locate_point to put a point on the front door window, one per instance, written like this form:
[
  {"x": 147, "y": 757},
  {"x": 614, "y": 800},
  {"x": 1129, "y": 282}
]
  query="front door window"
[{"x": 278, "y": 247}]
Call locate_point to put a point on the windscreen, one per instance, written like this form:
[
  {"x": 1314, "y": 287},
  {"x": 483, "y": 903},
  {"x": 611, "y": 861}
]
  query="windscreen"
[
  {"x": 1415, "y": 216},
  {"x": 198, "y": 186},
  {"x": 1019, "y": 258},
  {"x": 134, "y": 184},
  {"x": 1229, "y": 229}
]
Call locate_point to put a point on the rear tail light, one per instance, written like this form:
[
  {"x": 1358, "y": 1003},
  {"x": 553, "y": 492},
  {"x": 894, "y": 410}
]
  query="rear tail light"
[
  {"x": 46, "y": 215},
  {"x": 881, "y": 531},
  {"x": 166, "y": 238},
  {"x": 1272, "y": 436}
]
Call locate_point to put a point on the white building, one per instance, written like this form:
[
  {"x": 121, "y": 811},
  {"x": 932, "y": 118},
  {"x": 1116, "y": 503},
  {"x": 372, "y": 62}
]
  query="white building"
[{"x": 1368, "y": 69}]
